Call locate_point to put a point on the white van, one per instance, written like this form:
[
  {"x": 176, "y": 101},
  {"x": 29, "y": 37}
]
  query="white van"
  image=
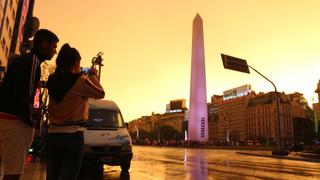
[{"x": 106, "y": 137}]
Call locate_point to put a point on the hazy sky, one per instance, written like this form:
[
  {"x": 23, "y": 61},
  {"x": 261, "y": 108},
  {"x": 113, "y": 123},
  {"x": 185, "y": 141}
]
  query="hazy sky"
[{"x": 147, "y": 45}]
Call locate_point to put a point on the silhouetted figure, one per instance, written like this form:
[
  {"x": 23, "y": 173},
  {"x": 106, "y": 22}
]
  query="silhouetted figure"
[
  {"x": 17, "y": 93},
  {"x": 69, "y": 91}
]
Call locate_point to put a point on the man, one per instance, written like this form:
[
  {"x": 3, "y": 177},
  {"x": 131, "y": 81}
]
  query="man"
[{"x": 17, "y": 93}]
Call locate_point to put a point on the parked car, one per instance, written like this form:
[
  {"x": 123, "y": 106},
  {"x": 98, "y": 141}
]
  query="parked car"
[{"x": 106, "y": 137}]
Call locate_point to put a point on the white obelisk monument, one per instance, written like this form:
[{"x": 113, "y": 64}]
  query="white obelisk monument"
[{"x": 198, "y": 113}]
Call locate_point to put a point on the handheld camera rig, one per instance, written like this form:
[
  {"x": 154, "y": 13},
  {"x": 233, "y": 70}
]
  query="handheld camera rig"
[{"x": 97, "y": 61}]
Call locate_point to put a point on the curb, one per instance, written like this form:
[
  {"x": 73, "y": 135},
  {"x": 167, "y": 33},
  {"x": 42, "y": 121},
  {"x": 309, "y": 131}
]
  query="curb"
[
  {"x": 309, "y": 155},
  {"x": 294, "y": 157}
]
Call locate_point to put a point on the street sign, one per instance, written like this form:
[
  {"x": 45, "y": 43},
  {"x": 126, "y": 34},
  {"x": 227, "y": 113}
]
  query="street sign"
[{"x": 233, "y": 63}]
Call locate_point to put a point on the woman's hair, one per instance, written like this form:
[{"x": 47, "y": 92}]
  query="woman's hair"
[{"x": 68, "y": 58}]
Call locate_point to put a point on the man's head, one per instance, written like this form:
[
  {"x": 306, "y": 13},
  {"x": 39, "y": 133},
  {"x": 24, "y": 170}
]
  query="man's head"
[{"x": 45, "y": 44}]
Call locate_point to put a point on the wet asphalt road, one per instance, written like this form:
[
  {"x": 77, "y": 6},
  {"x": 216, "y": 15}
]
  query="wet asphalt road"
[{"x": 157, "y": 163}]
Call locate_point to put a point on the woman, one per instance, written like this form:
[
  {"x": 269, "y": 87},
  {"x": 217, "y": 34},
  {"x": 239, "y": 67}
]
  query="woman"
[{"x": 69, "y": 91}]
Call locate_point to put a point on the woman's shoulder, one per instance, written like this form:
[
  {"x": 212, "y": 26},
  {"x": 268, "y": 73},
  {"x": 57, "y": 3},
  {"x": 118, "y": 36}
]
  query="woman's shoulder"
[{"x": 82, "y": 80}]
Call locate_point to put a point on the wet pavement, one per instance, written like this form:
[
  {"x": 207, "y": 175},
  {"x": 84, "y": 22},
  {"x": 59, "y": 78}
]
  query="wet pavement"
[
  {"x": 170, "y": 163},
  {"x": 157, "y": 163}
]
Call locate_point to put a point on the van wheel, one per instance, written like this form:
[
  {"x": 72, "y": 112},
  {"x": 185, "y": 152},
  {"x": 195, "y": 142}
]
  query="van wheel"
[{"x": 125, "y": 166}]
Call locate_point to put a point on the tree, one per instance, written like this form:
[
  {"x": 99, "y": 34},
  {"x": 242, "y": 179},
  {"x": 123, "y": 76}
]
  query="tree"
[
  {"x": 303, "y": 130},
  {"x": 166, "y": 133}
]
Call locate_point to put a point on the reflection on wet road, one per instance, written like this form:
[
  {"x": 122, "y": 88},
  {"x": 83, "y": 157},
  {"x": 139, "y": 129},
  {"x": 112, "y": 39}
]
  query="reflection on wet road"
[{"x": 177, "y": 163}]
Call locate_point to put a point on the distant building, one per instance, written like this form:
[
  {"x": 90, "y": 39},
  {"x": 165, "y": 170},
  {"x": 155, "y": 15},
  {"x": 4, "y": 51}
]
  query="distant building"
[
  {"x": 174, "y": 120},
  {"x": 145, "y": 123},
  {"x": 177, "y": 105},
  {"x": 240, "y": 115},
  {"x": 302, "y": 119},
  {"x": 2, "y": 5},
  {"x": 213, "y": 118},
  {"x": 232, "y": 123},
  {"x": 261, "y": 115},
  {"x": 8, "y": 13},
  {"x": 298, "y": 111},
  {"x": 237, "y": 92},
  {"x": 245, "y": 116},
  {"x": 174, "y": 117},
  {"x": 15, "y": 22},
  {"x": 22, "y": 26}
]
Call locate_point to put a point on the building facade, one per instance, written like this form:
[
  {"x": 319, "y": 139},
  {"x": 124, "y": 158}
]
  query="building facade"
[
  {"x": 213, "y": 122},
  {"x": 232, "y": 123},
  {"x": 250, "y": 118},
  {"x": 213, "y": 118},
  {"x": 174, "y": 117},
  {"x": 15, "y": 22},
  {"x": 174, "y": 120},
  {"x": 144, "y": 123},
  {"x": 261, "y": 115},
  {"x": 240, "y": 116},
  {"x": 8, "y": 19}
]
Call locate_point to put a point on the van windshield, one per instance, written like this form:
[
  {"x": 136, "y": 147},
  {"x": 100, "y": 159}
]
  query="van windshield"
[{"x": 104, "y": 118}]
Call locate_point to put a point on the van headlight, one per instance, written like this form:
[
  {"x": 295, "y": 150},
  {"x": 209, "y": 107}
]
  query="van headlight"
[{"x": 126, "y": 147}]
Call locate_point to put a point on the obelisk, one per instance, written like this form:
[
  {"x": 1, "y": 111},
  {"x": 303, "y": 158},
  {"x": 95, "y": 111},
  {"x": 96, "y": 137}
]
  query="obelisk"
[{"x": 198, "y": 113}]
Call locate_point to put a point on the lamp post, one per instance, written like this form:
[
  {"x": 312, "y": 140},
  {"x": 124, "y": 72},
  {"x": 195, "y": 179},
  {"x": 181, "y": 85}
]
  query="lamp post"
[
  {"x": 237, "y": 64},
  {"x": 279, "y": 150},
  {"x": 227, "y": 128},
  {"x": 315, "y": 113},
  {"x": 137, "y": 132},
  {"x": 315, "y": 119}
]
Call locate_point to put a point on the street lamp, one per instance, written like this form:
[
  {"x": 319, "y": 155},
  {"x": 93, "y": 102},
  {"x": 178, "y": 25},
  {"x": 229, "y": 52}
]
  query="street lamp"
[
  {"x": 237, "y": 64},
  {"x": 315, "y": 113},
  {"x": 227, "y": 128},
  {"x": 137, "y": 132}
]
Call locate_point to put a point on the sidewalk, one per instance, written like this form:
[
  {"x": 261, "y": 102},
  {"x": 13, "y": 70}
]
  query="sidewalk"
[
  {"x": 298, "y": 156},
  {"x": 309, "y": 155},
  {"x": 34, "y": 169}
]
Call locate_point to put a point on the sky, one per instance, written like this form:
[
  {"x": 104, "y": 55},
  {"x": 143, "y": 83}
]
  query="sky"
[{"x": 147, "y": 45}]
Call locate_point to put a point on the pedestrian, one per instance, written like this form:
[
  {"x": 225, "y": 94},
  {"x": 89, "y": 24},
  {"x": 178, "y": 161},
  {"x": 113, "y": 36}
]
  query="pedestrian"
[
  {"x": 17, "y": 93},
  {"x": 69, "y": 91}
]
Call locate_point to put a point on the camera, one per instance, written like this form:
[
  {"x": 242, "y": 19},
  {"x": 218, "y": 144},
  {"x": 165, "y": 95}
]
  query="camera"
[{"x": 85, "y": 70}]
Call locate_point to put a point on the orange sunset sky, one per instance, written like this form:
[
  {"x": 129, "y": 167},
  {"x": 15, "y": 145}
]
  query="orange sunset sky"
[{"x": 147, "y": 45}]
